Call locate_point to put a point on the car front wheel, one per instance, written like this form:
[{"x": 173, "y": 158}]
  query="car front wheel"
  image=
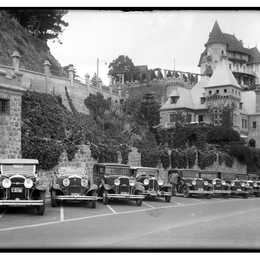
[
  {"x": 53, "y": 200},
  {"x": 105, "y": 198},
  {"x": 139, "y": 201},
  {"x": 186, "y": 192},
  {"x": 41, "y": 209},
  {"x": 168, "y": 198}
]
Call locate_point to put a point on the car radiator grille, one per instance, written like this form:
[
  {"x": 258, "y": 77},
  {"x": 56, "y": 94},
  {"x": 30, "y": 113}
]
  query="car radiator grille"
[
  {"x": 199, "y": 184},
  {"x": 153, "y": 184},
  {"x": 217, "y": 186},
  {"x": 124, "y": 185},
  {"x": 17, "y": 183},
  {"x": 75, "y": 186},
  {"x": 237, "y": 184}
]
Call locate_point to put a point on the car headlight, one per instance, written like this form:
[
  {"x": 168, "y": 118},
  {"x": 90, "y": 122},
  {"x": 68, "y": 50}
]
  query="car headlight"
[
  {"x": 28, "y": 183},
  {"x": 160, "y": 182},
  {"x": 214, "y": 182},
  {"x": 223, "y": 182},
  {"x": 6, "y": 183},
  {"x": 132, "y": 183},
  {"x": 255, "y": 184},
  {"x": 243, "y": 184},
  {"x": 117, "y": 182},
  {"x": 146, "y": 182},
  {"x": 193, "y": 182},
  {"x": 232, "y": 184},
  {"x": 66, "y": 182},
  {"x": 84, "y": 182},
  {"x": 206, "y": 183}
]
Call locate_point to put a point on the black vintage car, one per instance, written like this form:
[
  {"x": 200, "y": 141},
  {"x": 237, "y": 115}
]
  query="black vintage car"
[
  {"x": 249, "y": 184},
  {"x": 114, "y": 182},
  {"x": 154, "y": 186},
  {"x": 256, "y": 184},
  {"x": 20, "y": 184},
  {"x": 219, "y": 186},
  {"x": 190, "y": 183},
  {"x": 72, "y": 185},
  {"x": 237, "y": 187}
]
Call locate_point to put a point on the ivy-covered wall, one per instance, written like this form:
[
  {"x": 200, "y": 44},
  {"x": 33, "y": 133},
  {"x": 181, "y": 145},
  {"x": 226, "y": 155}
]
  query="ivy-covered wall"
[{"x": 83, "y": 159}]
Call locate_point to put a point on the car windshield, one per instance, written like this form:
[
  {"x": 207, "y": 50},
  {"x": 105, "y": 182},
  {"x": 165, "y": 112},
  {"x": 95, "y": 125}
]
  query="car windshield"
[
  {"x": 117, "y": 171},
  {"x": 18, "y": 168},
  {"x": 148, "y": 172},
  {"x": 254, "y": 178},
  {"x": 190, "y": 174},
  {"x": 209, "y": 176},
  {"x": 242, "y": 177},
  {"x": 231, "y": 176}
]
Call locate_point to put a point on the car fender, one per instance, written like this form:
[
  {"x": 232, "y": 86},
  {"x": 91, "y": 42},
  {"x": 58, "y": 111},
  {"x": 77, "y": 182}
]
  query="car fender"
[
  {"x": 166, "y": 186},
  {"x": 107, "y": 187},
  {"x": 41, "y": 187},
  {"x": 56, "y": 187},
  {"x": 139, "y": 187},
  {"x": 93, "y": 187},
  {"x": 189, "y": 185},
  {"x": 228, "y": 185}
]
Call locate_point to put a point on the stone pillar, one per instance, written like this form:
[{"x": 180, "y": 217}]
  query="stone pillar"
[
  {"x": 120, "y": 91},
  {"x": 123, "y": 78},
  {"x": 164, "y": 73},
  {"x": 47, "y": 66},
  {"x": 257, "y": 92},
  {"x": 71, "y": 75},
  {"x": 111, "y": 90},
  {"x": 16, "y": 60},
  {"x": 87, "y": 81}
]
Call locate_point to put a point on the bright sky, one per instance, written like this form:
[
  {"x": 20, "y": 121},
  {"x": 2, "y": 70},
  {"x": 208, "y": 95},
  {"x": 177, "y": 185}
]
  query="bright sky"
[{"x": 158, "y": 39}]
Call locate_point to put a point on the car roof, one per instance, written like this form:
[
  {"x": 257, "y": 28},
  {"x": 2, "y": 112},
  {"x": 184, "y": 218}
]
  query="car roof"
[
  {"x": 19, "y": 161},
  {"x": 143, "y": 168},
  {"x": 113, "y": 164},
  {"x": 208, "y": 171}
]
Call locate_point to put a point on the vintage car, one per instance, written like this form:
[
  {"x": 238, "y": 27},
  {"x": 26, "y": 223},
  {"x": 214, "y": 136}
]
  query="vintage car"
[
  {"x": 249, "y": 184},
  {"x": 154, "y": 186},
  {"x": 256, "y": 180},
  {"x": 189, "y": 183},
  {"x": 20, "y": 184},
  {"x": 237, "y": 187},
  {"x": 114, "y": 182},
  {"x": 72, "y": 185},
  {"x": 219, "y": 186}
]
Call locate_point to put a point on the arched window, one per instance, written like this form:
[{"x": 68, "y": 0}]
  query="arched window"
[{"x": 251, "y": 142}]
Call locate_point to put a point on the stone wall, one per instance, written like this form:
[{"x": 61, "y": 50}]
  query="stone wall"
[
  {"x": 10, "y": 117},
  {"x": 84, "y": 160}
]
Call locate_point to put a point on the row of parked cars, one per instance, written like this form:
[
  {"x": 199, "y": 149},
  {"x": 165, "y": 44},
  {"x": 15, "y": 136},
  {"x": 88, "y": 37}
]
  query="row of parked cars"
[{"x": 20, "y": 184}]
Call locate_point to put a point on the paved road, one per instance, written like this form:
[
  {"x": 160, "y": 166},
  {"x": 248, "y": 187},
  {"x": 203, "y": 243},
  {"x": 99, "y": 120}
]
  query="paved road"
[{"x": 195, "y": 224}]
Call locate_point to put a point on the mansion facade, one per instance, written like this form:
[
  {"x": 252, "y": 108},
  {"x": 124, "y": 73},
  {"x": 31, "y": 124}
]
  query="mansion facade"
[{"x": 229, "y": 77}]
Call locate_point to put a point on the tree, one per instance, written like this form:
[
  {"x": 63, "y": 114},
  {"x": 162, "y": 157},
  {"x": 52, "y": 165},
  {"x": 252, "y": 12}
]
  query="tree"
[
  {"x": 66, "y": 69},
  {"x": 94, "y": 80},
  {"x": 123, "y": 64},
  {"x": 46, "y": 24}
]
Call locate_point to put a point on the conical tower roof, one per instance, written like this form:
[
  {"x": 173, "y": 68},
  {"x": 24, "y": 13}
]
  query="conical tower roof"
[
  {"x": 222, "y": 76},
  {"x": 216, "y": 35}
]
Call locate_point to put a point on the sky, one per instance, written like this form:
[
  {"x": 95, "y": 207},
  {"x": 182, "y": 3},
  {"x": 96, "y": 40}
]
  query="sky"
[{"x": 166, "y": 39}]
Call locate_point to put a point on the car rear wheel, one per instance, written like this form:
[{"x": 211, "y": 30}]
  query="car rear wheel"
[
  {"x": 53, "y": 200},
  {"x": 257, "y": 194},
  {"x": 105, "y": 198},
  {"x": 41, "y": 209},
  {"x": 186, "y": 192}
]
